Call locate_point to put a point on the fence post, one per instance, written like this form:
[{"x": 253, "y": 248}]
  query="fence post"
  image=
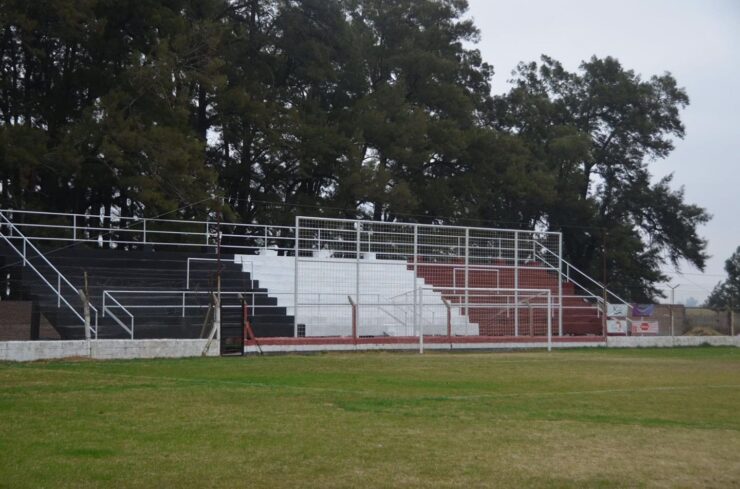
[
  {"x": 354, "y": 319},
  {"x": 86, "y": 309},
  {"x": 516, "y": 283},
  {"x": 549, "y": 321},
  {"x": 74, "y": 227},
  {"x": 467, "y": 274},
  {"x": 357, "y": 270},
  {"x": 421, "y": 321},
  {"x": 560, "y": 285},
  {"x": 296, "y": 252},
  {"x": 144, "y": 231},
  {"x": 416, "y": 261}
]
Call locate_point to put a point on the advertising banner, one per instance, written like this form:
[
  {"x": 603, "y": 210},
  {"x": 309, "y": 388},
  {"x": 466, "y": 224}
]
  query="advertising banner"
[
  {"x": 616, "y": 326},
  {"x": 642, "y": 310},
  {"x": 644, "y": 327},
  {"x": 617, "y": 310}
]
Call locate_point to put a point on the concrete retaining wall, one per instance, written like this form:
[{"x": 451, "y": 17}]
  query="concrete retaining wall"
[
  {"x": 667, "y": 341},
  {"x": 27, "y": 351},
  {"x": 493, "y": 346}
]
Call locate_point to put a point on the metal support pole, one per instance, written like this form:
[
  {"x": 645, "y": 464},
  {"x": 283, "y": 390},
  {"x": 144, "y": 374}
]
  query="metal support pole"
[
  {"x": 421, "y": 322},
  {"x": 59, "y": 289},
  {"x": 144, "y": 239},
  {"x": 354, "y": 318},
  {"x": 416, "y": 261},
  {"x": 673, "y": 301},
  {"x": 296, "y": 240},
  {"x": 516, "y": 283},
  {"x": 467, "y": 277},
  {"x": 560, "y": 285},
  {"x": 357, "y": 272},
  {"x": 74, "y": 227},
  {"x": 549, "y": 321}
]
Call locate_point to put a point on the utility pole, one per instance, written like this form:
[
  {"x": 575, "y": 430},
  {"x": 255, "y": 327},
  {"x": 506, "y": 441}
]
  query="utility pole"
[{"x": 673, "y": 301}]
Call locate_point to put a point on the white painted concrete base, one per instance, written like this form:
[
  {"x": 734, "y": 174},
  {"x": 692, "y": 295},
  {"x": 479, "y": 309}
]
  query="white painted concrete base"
[
  {"x": 415, "y": 347},
  {"x": 667, "y": 341},
  {"x": 28, "y": 351}
]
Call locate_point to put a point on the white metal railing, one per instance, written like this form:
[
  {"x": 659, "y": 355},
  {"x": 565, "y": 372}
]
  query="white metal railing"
[
  {"x": 108, "y": 309},
  {"x": 27, "y": 247},
  {"x": 116, "y": 231},
  {"x": 568, "y": 276}
]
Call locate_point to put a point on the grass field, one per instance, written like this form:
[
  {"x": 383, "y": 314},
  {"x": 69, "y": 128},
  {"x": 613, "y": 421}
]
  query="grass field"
[{"x": 585, "y": 418}]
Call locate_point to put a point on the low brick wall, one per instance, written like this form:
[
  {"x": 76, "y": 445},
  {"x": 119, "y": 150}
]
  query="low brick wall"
[
  {"x": 667, "y": 341},
  {"x": 27, "y": 351},
  {"x": 17, "y": 323}
]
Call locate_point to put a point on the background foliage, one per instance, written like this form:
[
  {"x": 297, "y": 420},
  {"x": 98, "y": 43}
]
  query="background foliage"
[{"x": 350, "y": 108}]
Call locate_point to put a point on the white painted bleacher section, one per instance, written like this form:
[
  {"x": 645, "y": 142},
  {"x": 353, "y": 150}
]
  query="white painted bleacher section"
[{"x": 324, "y": 284}]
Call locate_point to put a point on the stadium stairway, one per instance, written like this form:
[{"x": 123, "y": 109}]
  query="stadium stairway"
[
  {"x": 157, "y": 315},
  {"x": 579, "y": 314}
]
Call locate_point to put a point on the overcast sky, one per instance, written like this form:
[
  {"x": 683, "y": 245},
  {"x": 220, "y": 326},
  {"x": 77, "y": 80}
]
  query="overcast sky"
[{"x": 698, "y": 41}]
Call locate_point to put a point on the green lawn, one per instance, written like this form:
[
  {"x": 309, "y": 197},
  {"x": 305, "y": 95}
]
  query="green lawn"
[{"x": 583, "y": 418}]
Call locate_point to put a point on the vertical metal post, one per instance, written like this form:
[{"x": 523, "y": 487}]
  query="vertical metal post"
[
  {"x": 604, "y": 296},
  {"x": 467, "y": 276},
  {"x": 24, "y": 252},
  {"x": 183, "y": 304},
  {"x": 296, "y": 240},
  {"x": 358, "y": 224},
  {"x": 59, "y": 289},
  {"x": 560, "y": 284},
  {"x": 144, "y": 231},
  {"x": 74, "y": 227},
  {"x": 549, "y": 321},
  {"x": 416, "y": 261},
  {"x": 265, "y": 238},
  {"x": 516, "y": 283},
  {"x": 673, "y": 301},
  {"x": 421, "y": 321}
]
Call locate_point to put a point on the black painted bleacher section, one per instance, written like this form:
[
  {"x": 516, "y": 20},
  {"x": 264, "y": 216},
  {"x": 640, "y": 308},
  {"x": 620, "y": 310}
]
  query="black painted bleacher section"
[{"x": 150, "y": 271}]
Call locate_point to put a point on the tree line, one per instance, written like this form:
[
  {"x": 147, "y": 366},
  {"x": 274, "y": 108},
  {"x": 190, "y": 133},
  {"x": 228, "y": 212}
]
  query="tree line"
[{"x": 343, "y": 108}]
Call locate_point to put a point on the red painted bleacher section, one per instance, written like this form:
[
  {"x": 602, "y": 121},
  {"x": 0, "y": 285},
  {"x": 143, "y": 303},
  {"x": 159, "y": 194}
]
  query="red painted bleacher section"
[{"x": 579, "y": 317}]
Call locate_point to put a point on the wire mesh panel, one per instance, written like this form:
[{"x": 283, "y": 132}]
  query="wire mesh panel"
[{"x": 368, "y": 278}]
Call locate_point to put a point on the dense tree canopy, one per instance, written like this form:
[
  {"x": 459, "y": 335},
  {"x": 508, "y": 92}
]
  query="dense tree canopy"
[
  {"x": 356, "y": 108},
  {"x": 726, "y": 295}
]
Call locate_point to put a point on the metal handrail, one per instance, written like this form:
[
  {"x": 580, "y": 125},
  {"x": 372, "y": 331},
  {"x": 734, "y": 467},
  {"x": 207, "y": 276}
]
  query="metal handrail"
[
  {"x": 598, "y": 284},
  {"x": 60, "y": 277},
  {"x": 114, "y": 317},
  {"x": 143, "y": 226}
]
